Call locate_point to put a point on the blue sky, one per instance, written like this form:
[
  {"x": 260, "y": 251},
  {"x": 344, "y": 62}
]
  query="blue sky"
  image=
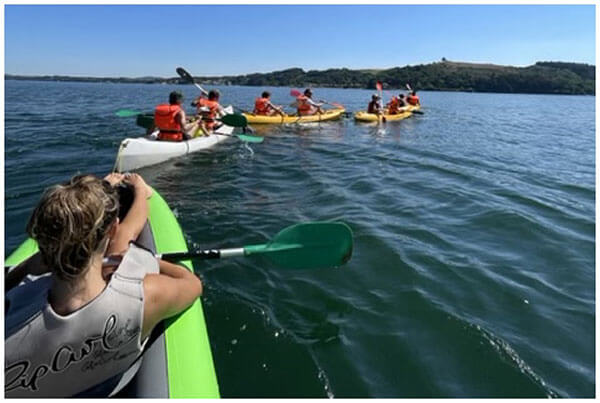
[{"x": 141, "y": 40}]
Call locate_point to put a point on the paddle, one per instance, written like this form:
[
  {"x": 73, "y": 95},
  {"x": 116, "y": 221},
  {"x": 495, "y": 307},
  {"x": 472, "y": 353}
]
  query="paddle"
[
  {"x": 379, "y": 87},
  {"x": 310, "y": 245},
  {"x": 304, "y": 246},
  {"x": 188, "y": 77},
  {"x": 232, "y": 119}
]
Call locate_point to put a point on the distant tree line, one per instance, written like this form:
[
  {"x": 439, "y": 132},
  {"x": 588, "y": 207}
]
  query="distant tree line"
[{"x": 541, "y": 78}]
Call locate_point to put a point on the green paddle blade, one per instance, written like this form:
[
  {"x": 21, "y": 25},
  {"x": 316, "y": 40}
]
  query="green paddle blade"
[
  {"x": 250, "y": 139},
  {"x": 126, "y": 113},
  {"x": 145, "y": 120},
  {"x": 311, "y": 245},
  {"x": 235, "y": 120}
]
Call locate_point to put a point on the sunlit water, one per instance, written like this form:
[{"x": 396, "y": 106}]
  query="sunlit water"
[{"x": 473, "y": 266}]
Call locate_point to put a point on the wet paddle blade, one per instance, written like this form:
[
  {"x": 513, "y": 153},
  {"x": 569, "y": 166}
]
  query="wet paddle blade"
[
  {"x": 235, "y": 120},
  {"x": 184, "y": 74},
  {"x": 250, "y": 139},
  {"x": 126, "y": 113},
  {"x": 311, "y": 245}
]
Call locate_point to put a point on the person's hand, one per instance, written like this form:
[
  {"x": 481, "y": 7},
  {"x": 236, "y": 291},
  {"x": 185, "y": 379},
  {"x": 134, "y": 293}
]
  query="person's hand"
[
  {"x": 114, "y": 178},
  {"x": 138, "y": 184}
]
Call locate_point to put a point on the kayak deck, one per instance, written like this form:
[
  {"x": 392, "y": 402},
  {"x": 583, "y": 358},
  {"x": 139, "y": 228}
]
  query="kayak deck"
[{"x": 330, "y": 114}]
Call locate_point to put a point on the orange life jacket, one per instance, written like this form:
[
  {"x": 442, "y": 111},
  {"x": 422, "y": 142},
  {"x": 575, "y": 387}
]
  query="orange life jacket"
[
  {"x": 261, "y": 106},
  {"x": 393, "y": 106},
  {"x": 413, "y": 99},
  {"x": 304, "y": 108},
  {"x": 164, "y": 119},
  {"x": 208, "y": 117}
]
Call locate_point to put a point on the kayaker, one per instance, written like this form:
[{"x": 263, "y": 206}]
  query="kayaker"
[
  {"x": 375, "y": 105},
  {"x": 305, "y": 104},
  {"x": 208, "y": 111},
  {"x": 79, "y": 328},
  {"x": 413, "y": 98},
  {"x": 263, "y": 106},
  {"x": 171, "y": 121},
  {"x": 396, "y": 105}
]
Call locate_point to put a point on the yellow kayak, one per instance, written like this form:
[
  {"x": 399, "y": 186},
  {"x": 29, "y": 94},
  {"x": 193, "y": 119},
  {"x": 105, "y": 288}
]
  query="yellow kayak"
[
  {"x": 330, "y": 114},
  {"x": 363, "y": 116}
]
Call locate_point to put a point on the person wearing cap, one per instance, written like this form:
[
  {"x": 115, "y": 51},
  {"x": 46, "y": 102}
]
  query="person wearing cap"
[
  {"x": 305, "y": 104},
  {"x": 375, "y": 105},
  {"x": 208, "y": 110},
  {"x": 171, "y": 121}
]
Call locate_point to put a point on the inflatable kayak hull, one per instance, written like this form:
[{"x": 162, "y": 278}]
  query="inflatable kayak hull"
[
  {"x": 363, "y": 116},
  {"x": 330, "y": 114},
  {"x": 135, "y": 153},
  {"x": 177, "y": 362}
]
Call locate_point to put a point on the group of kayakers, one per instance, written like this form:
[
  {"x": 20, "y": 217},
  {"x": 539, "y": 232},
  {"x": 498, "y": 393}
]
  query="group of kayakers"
[
  {"x": 173, "y": 125},
  {"x": 304, "y": 104},
  {"x": 171, "y": 121},
  {"x": 396, "y": 105}
]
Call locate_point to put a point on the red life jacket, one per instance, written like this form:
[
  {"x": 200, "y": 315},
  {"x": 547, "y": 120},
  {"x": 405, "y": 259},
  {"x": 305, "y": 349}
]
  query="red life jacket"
[
  {"x": 413, "y": 99},
  {"x": 304, "y": 108},
  {"x": 261, "y": 106},
  {"x": 164, "y": 119},
  {"x": 208, "y": 117}
]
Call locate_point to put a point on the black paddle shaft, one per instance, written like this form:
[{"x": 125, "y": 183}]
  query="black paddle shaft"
[{"x": 197, "y": 254}]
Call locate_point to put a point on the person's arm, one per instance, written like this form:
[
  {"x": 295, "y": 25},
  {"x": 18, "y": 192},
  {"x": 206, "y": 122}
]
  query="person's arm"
[
  {"x": 276, "y": 108},
  {"x": 166, "y": 294},
  {"x": 136, "y": 217}
]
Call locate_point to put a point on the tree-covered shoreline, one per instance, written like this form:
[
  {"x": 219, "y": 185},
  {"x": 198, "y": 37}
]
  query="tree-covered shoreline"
[{"x": 540, "y": 78}]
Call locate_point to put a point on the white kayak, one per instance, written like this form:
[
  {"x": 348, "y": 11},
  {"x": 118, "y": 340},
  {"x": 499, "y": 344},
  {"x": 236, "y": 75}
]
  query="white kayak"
[{"x": 135, "y": 153}]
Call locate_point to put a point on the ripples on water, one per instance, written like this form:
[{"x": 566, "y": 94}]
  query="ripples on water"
[{"x": 473, "y": 268}]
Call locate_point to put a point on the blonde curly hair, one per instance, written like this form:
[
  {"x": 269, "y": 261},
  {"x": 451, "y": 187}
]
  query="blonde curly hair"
[{"x": 71, "y": 223}]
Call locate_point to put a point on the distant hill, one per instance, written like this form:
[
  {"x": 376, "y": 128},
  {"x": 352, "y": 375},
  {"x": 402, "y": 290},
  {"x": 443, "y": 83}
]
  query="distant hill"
[{"x": 541, "y": 78}]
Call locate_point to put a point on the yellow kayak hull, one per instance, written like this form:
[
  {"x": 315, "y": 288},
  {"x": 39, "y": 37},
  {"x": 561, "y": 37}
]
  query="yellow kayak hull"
[
  {"x": 363, "y": 116},
  {"x": 330, "y": 114}
]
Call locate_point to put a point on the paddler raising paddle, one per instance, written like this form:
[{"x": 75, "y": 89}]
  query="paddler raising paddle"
[{"x": 75, "y": 328}]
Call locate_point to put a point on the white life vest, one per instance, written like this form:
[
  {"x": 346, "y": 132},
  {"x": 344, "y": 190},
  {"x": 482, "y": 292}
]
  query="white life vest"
[{"x": 49, "y": 355}]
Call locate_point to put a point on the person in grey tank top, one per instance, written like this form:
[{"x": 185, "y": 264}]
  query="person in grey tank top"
[{"x": 72, "y": 325}]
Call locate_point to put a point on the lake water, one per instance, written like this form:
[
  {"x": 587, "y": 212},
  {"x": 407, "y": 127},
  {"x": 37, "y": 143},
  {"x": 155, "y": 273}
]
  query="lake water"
[{"x": 473, "y": 272}]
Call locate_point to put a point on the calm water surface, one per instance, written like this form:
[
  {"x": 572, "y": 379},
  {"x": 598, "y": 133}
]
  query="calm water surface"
[{"x": 473, "y": 268}]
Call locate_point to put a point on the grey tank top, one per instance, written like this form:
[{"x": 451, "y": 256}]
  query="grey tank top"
[{"x": 48, "y": 355}]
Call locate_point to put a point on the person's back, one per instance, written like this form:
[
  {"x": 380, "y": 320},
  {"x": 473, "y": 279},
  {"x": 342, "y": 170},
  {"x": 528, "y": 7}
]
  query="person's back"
[
  {"x": 209, "y": 110},
  {"x": 413, "y": 99},
  {"x": 374, "y": 106},
  {"x": 305, "y": 105},
  {"x": 393, "y": 106},
  {"x": 76, "y": 329},
  {"x": 168, "y": 119}
]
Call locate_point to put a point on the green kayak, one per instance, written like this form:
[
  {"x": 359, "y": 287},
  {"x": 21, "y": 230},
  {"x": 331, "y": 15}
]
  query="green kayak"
[{"x": 178, "y": 362}]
